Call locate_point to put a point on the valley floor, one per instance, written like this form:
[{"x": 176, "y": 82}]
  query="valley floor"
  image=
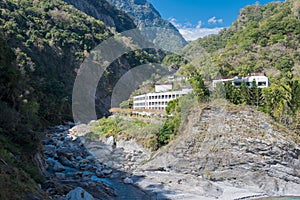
[{"x": 246, "y": 156}]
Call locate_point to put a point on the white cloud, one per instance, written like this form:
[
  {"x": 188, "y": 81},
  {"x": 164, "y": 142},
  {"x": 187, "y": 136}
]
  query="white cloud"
[
  {"x": 199, "y": 25},
  {"x": 191, "y": 34},
  {"x": 188, "y": 24},
  {"x": 214, "y": 20},
  {"x": 175, "y": 23}
]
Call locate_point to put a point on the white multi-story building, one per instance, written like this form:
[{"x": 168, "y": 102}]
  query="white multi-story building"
[
  {"x": 261, "y": 81},
  {"x": 157, "y": 100}
]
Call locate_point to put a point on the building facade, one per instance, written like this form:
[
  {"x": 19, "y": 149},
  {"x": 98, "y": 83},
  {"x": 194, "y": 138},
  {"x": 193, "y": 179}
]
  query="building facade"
[
  {"x": 261, "y": 81},
  {"x": 157, "y": 100}
]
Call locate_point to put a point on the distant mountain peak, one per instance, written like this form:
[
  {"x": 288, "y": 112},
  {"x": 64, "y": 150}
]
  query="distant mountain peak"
[{"x": 145, "y": 15}]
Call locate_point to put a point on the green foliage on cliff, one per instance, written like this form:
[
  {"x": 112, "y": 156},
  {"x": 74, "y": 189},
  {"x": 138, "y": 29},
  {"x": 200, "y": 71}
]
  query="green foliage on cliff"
[
  {"x": 264, "y": 39},
  {"x": 19, "y": 174},
  {"x": 49, "y": 39},
  {"x": 260, "y": 39},
  {"x": 126, "y": 128},
  {"x": 42, "y": 45}
]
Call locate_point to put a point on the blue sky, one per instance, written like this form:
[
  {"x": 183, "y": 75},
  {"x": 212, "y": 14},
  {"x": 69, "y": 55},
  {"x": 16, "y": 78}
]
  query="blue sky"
[{"x": 195, "y": 18}]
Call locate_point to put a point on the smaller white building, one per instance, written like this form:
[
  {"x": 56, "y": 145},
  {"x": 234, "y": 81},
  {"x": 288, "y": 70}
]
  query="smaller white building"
[
  {"x": 261, "y": 81},
  {"x": 163, "y": 88},
  {"x": 157, "y": 100},
  {"x": 215, "y": 82}
]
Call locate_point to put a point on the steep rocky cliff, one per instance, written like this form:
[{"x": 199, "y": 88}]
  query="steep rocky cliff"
[
  {"x": 234, "y": 146},
  {"x": 145, "y": 15},
  {"x": 105, "y": 12},
  {"x": 222, "y": 151}
]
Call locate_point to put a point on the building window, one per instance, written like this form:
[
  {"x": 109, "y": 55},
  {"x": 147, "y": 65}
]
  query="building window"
[{"x": 262, "y": 83}]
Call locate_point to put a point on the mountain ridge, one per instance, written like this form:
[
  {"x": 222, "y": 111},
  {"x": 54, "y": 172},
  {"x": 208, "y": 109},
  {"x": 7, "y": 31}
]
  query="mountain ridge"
[
  {"x": 146, "y": 16},
  {"x": 42, "y": 46},
  {"x": 103, "y": 11}
]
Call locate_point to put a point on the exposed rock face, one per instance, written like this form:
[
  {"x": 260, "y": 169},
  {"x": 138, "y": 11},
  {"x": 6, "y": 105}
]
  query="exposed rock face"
[
  {"x": 237, "y": 146},
  {"x": 103, "y": 11},
  {"x": 230, "y": 152},
  {"x": 145, "y": 15},
  {"x": 79, "y": 194}
]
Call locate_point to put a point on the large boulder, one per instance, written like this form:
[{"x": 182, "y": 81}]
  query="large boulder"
[
  {"x": 55, "y": 165},
  {"x": 79, "y": 194},
  {"x": 80, "y": 130}
]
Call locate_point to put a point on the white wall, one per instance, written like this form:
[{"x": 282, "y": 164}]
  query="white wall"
[{"x": 163, "y": 88}]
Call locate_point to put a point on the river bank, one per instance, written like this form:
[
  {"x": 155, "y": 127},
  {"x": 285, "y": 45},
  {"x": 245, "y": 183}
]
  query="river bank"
[
  {"x": 204, "y": 163},
  {"x": 72, "y": 170}
]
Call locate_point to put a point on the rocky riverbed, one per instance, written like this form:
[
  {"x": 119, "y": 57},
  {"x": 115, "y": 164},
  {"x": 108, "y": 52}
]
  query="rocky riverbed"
[
  {"x": 75, "y": 173},
  {"x": 246, "y": 156}
]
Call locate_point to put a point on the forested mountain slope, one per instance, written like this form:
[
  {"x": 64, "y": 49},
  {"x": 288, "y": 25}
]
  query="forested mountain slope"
[
  {"x": 20, "y": 147},
  {"x": 50, "y": 40},
  {"x": 43, "y": 44},
  {"x": 259, "y": 41},
  {"x": 264, "y": 39}
]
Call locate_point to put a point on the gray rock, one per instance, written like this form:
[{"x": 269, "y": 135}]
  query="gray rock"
[
  {"x": 80, "y": 130},
  {"x": 79, "y": 194},
  {"x": 60, "y": 175},
  {"x": 90, "y": 158},
  {"x": 109, "y": 164},
  {"x": 78, "y": 158},
  {"x": 212, "y": 190},
  {"x": 110, "y": 141},
  {"x": 49, "y": 150},
  {"x": 66, "y": 162},
  {"x": 129, "y": 146},
  {"x": 57, "y": 166},
  {"x": 66, "y": 152},
  {"x": 99, "y": 174},
  {"x": 128, "y": 180},
  {"x": 107, "y": 171}
]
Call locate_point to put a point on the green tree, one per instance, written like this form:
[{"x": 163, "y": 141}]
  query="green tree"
[
  {"x": 255, "y": 94},
  {"x": 199, "y": 89},
  {"x": 219, "y": 91},
  {"x": 245, "y": 95}
]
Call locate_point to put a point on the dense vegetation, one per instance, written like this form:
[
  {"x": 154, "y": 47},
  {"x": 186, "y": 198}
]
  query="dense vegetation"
[
  {"x": 261, "y": 38},
  {"x": 19, "y": 143},
  {"x": 264, "y": 39},
  {"x": 50, "y": 39},
  {"x": 121, "y": 127},
  {"x": 42, "y": 45}
]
